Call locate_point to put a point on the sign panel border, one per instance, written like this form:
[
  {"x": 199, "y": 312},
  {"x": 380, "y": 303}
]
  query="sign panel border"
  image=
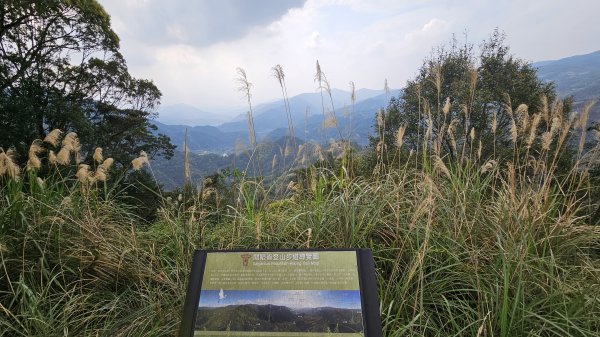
[{"x": 366, "y": 280}]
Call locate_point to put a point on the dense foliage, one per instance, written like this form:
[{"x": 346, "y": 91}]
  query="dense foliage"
[
  {"x": 60, "y": 68},
  {"x": 460, "y": 249},
  {"x": 457, "y": 91}
]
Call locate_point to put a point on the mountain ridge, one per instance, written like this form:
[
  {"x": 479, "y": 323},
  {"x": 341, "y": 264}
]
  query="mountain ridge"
[
  {"x": 270, "y": 121},
  {"x": 276, "y": 318}
]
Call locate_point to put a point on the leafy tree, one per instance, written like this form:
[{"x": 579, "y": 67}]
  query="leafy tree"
[
  {"x": 60, "y": 67},
  {"x": 458, "y": 93}
]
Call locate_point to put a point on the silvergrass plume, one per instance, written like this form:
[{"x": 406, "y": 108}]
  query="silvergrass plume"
[
  {"x": 400, "y": 136},
  {"x": 280, "y": 76},
  {"x": 428, "y": 132},
  {"x": 438, "y": 163},
  {"x": 8, "y": 166},
  {"x": 488, "y": 166},
  {"x": 53, "y": 138},
  {"x": 545, "y": 110},
  {"x": 446, "y": 107},
  {"x": 239, "y": 147},
  {"x": 70, "y": 144},
  {"x": 508, "y": 105},
  {"x": 245, "y": 87},
  {"x": 583, "y": 118},
  {"x": 139, "y": 162},
  {"x": 99, "y": 175},
  {"x": 102, "y": 170},
  {"x": 52, "y": 159},
  {"x": 533, "y": 129},
  {"x": 379, "y": 117},
  {"x": 473, "y": 74},
  {"x": 63, "y": 157},
  {"x": 546, "y": 140},
  {"x": 187, "y": 175},
  {"x": 274, "y": 162},
  {"x": 523, "y": 117},
  {"x": 330, "y": 122},
  {"x": 98, "y": 158},
  {"x": 565, "y": 128},
  {"x": 514, "y": 133},
  {"x": 84, "y": 175},
  {"x": 386, "y": 87},
  {"x": 33, "y": 161},
  {"x": 319, "y": 74},
  {"x": 437, "y": 73},
  {"x": 107, "y": 163},
  {"x": 437, "y": 146},
  {"x": 556, "y": 125},
  {"x": 318, "y": 152},
  {"x": 288, "y": 150}
]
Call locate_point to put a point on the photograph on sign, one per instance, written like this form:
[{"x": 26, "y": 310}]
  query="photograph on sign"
[{"x": 280, "y": 294}]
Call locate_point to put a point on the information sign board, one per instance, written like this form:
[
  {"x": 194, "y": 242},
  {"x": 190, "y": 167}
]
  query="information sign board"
[{"x": 287, "y": 293}]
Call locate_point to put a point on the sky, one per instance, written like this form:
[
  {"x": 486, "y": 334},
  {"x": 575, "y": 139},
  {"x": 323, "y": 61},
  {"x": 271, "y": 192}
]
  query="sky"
[
  {"x": 192, "y": 48},
  {"x": 297, "y": 299}
]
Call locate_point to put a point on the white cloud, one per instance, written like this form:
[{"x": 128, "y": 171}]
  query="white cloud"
[
  {"x": 358, "y": 40},
  {"x": 313, "y": 41}
]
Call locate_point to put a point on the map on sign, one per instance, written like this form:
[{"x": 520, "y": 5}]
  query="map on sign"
[{"x": 299, "y": 293}]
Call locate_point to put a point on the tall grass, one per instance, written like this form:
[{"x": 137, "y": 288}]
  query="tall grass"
[{"x": 462, "y": 247}]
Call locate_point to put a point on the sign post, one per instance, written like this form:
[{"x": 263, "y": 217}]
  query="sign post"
[{"x": 291, "y": 293}]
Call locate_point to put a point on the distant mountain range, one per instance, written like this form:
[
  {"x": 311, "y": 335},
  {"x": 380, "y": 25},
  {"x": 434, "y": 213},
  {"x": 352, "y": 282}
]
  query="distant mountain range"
[
  {"x": 274, "y": 318},
  {"x": 183, "y": 114},
  {"x": 212, "y": 142},
  {"x": 270, "y": 121},
  {"x": 577, "y": 76}
]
